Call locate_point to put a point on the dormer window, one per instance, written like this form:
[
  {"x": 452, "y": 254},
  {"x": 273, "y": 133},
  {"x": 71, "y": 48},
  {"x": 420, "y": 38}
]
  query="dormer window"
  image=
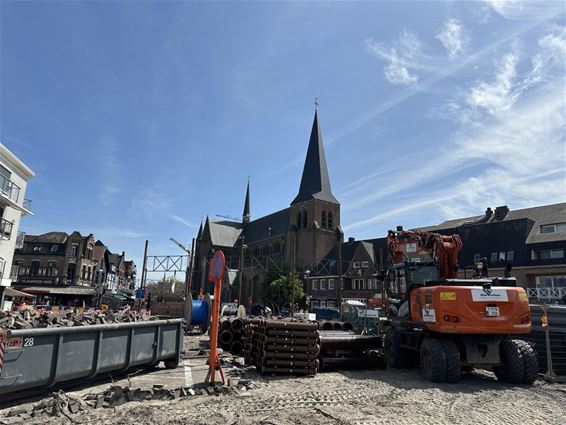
[{"x": 553, "y": 228}]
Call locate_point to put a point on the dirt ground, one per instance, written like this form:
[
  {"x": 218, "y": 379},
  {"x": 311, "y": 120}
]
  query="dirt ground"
[
  {"x": 356, "y": 397},
  {"x": 348, "y": 397}
]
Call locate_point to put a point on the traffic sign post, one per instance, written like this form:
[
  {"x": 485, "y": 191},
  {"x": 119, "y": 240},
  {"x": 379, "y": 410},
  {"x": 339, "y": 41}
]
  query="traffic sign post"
[{"x": 215, "y": 274}]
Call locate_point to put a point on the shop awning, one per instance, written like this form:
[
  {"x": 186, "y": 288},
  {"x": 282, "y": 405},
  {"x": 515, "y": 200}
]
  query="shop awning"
[
  {"x": 64, "y": 290},
  {"x": 11, "y": 292}
]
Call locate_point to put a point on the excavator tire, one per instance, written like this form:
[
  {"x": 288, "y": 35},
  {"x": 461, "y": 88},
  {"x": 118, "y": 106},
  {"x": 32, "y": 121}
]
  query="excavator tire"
[
  {"x": 530, "y": 362},
  {"x": 397, "y": 356},
  {"x": 433, "y": 360},
  {"x": 453, "y": 361},
  {"x": 513, "y": 369}
]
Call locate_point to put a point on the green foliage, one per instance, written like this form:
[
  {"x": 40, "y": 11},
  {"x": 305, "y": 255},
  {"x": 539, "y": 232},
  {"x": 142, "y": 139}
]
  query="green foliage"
[
  {"x": 286, "y": 290},
  {"x": 163, "y": 287}
]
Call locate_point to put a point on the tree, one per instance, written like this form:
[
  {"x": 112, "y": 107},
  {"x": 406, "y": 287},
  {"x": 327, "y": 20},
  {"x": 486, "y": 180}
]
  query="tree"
[
  {"x": 163, "y": 287},
  {"x": 286, "y": 290}
]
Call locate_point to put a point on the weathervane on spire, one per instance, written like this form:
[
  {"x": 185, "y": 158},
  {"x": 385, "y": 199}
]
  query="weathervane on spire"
[{"x": 316, "y": 103}]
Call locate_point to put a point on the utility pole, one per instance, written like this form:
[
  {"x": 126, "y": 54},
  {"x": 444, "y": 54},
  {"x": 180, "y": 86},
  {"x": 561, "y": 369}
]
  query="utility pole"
[
  {"x": 189, "y": 276},
  {"x": 144, "y": 270},
  {"x": 242, "y": 238}
]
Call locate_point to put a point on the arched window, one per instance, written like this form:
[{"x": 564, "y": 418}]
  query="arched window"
[
  {"x": 304, "y": 219},
  {"x": 330, "y": 221},
  {"x": 88, "y": 274},
  {"x": 324, "y": 219},
  {"x": 83, "y": 274},
  {"x": 298, "y": 220}
]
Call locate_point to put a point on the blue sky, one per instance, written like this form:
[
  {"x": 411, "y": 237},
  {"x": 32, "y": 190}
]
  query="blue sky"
[{"x": 141, "y": 118}]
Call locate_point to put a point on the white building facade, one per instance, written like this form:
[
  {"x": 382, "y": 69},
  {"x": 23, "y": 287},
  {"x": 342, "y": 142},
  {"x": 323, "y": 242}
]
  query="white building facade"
[{"x": 14, "y": 176}]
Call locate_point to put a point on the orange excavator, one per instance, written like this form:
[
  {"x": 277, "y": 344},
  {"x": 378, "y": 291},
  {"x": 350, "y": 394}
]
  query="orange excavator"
[{"x": 449, "y": 325}]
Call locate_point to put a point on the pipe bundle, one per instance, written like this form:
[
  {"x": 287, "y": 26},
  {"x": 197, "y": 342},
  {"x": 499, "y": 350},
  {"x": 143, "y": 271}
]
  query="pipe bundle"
[
  {"x": 230, "y": 334},
  {"x": 345, "y": 350},
  {"x": 335, "y": 325},
  {"x": 281, "y": 345}
]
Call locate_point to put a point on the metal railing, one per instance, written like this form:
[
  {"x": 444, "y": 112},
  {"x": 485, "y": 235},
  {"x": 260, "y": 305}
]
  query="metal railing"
[
  {"x": 9, "y": 188},
  {"x": 6, "y": 229},
  {"x": 27, "y": 204},
  {"x": 20, "y": 240},
  {"x": 546, "y": 293}
]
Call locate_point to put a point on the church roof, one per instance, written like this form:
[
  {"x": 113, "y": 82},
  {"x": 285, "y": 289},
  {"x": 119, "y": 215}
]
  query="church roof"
[
  {"x": 224, "y": 233},
  {"x": 315, "y": 183},
  {"x": 269, "y": 226}
]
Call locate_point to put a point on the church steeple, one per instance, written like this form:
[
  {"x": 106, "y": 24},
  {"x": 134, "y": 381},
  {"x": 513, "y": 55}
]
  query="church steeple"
[
  {"x": 315, "y": 182},
  {"x": 246, "y": 214},
  {"x": 199, "y": 234}
]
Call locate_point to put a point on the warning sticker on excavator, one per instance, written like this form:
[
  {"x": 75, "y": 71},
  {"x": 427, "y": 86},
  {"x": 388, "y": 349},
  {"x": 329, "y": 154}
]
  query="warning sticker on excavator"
[
  {"x": 411, "y": 247},
  {"x": 429, "y": 315},
  {"x": 448, "y": 296}
]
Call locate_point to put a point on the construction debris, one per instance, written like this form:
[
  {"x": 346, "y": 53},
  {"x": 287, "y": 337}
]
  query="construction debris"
[
  {"x": 63, "y": 404},
  {"x": 31, "y": 318}
]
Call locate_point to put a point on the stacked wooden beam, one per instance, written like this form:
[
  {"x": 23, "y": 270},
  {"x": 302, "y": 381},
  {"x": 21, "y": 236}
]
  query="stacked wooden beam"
[{"x": 281, "y": 345}]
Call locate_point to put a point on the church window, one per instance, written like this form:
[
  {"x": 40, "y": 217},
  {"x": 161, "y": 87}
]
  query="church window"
[
  {"x": 304, "y": 219},
  {"x": 324, "y": 219},
  {"x": 298, "y": 220},
  {"x": 330, "y": 221}
]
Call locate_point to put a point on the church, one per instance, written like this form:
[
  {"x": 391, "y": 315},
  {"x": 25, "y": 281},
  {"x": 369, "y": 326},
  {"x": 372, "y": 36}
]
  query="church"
[{"x": 294, "y": 239}]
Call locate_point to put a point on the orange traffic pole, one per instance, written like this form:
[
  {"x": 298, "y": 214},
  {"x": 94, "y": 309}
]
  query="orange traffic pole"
[{"x": 214, "y": 331}]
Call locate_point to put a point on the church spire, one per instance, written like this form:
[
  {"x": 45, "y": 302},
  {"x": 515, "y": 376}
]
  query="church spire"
[
  {"x": 315, "y": 182},
  {"x": 246, "y": 214}
]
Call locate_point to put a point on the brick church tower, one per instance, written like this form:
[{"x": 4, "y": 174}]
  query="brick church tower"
[{"x": 314, "y": 213}]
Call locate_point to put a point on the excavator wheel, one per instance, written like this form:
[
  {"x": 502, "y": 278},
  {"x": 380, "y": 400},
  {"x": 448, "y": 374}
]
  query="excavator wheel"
[
  {"x": 530, "y": 362},
  {"x": 453, "y": 361},
  {"x": 433, "y": 360},
  {"x": 520, "y": 362},
  {"x": 397, "y": 356}
]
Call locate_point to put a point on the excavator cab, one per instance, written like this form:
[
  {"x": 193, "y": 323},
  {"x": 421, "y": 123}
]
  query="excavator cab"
[{"x": 403, "y": 277}]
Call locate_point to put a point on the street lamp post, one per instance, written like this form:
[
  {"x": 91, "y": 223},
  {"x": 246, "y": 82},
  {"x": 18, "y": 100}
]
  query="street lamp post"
[{"x": 242, "y": 247}]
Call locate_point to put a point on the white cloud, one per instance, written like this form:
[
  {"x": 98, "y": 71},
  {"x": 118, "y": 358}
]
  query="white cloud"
[
  {"x": 403, "y": 57},
  {"x": 497, "y": 96},
  {"x": 452, "y": 37},
  {"x": 519, "y": 154},
  {"x": 182, "y": 220},
  {"x": 526, "y": 9}
]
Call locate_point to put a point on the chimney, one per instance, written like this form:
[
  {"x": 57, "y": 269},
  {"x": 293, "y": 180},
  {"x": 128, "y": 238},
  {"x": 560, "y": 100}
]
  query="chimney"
[
  {"x": 486, "y": 217},
  {"x": 501, "y": 212},
  {"x": 351, "y": 240}
]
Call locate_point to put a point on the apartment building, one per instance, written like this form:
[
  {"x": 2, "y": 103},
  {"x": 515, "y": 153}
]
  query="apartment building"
[{"x": 14, "y": 176}]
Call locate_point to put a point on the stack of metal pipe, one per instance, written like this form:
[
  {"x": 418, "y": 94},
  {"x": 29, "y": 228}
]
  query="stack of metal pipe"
[
  {"x": 335, "y": 325},
  {"x": 230, "y": 334},
  {"x": 345, "y": 350},
  {"x": 282, "y": 345}
]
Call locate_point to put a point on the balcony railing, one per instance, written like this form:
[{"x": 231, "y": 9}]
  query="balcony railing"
[
  {"x": 20, "y": 240},
  {"x": 9, "y": 188},
  {"x": 6, "y": 229},
  {"x": 27, "y": 204},
  {"x": 546, "y": 293},
  {"x": 14, "y": 272}
]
